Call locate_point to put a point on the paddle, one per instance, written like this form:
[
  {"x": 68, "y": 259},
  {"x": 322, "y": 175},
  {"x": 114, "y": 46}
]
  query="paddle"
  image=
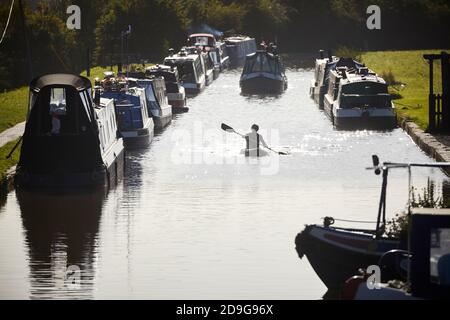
[{"x": 227, "y": 128}]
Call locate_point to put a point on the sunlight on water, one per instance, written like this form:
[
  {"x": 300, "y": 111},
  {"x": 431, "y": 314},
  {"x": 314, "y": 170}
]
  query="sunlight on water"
[{"x": 195, "y": 219}]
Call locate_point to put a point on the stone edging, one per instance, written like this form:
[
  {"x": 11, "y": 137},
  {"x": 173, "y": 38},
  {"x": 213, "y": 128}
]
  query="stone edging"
[{"x": 427, "y": 142}]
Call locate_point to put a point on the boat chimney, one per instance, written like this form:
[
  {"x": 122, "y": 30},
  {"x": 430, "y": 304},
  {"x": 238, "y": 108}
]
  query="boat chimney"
[
  {"x": 171, "y": 51},
  {"x": 322, "y": 54},
  {"x": 97, "y": 96}
]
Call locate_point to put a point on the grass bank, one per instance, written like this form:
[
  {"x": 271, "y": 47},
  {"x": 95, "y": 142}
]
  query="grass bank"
[
  {"x": 13, "y": 107},
  {"x": 409, "y": 68},
  {"x": 5, "y": 164}
]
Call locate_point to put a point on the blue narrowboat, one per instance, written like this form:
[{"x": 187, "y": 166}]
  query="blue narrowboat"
[
  {"x": 157, "y": 101},
  {"x": 238, "y": 48},
  {"x": 135, "y": 124},
  {"x": 70, "y": 140}
]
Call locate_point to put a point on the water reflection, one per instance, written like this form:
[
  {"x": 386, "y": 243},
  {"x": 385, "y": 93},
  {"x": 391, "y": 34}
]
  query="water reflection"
[{"x": 61, "y": 232}]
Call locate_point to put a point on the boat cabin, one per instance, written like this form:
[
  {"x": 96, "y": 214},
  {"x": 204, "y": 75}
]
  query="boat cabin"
[
  {"x": 323, "y": 68},
  {"x": 238, "y": 48},
  {"x": 175, "y": 92},
  {"x": 263, "y": 73},
  {"x": 202, "y": 40},
  {"x": 191, "y": 70},
  {"x": 157, "y": 101},
  {"x": 69, "y": 141},
  {"x": 135, "y": 124}
]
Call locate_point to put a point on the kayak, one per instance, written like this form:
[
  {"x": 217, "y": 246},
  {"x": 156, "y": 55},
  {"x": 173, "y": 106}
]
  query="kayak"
[{"x": 253, "y": 154}]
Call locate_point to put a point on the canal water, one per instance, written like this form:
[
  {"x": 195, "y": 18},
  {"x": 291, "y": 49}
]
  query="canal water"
[{"x": 194, "y": 219}]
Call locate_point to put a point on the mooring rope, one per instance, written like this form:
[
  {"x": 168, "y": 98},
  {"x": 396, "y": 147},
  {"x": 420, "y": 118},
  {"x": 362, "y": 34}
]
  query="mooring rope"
[{"x": 355, "y": 221}]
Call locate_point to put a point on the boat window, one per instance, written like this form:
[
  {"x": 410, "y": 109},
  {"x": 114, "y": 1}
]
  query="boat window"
[
  {"x": 262, "y": 64},
  {"x": 59, "y": 111},
  {"x": 199, "y": 66},
  {"x": 365, "y": 88},
  {"x": 199, "y": 41},
  {"x": 58, "y": 104},
  {"x": 440, "y": 256},
  {"x": 186, "y": 72}
]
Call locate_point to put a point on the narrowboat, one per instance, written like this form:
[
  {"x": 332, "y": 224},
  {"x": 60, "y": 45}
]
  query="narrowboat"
[
  {"x": 135, "y": 124},
  {"x": 238, "y": 48},
  {"x": 190, "y": 69},
  {"x": 323, "y": 67},
  {"x": 215, "y": 50},
  {"x": 359, "y": 99},
  {"x": 175, "y": 92},
  {"x": 222, "y": 55},
  {"x": 422, "y": 270},
  {"x": 70, "y": 140},
  {"x": 210, "y": 70},
  {"x": 337, "y": 253},
  {"x": 263, "y": 73},
  {"x": 157, "y": 102}
]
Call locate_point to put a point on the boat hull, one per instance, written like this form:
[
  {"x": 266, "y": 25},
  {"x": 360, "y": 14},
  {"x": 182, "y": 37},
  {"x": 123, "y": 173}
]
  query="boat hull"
[
  {"x": 318, "y": 95},
  {"x": 105, "y": 176},
  {"x": 381, "y": 123},
  {"x": 337, "y": 255},
  {"x": 162, "y": 122},
  {"x": 262, "y": 85},
  {"x": 134, "y": 139}
]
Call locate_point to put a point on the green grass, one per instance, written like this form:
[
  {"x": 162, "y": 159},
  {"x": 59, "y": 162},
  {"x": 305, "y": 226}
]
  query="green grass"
[
  {"x": 5, "y": 164},
  {"x": 13, "y": 107},
  {"x": 410, "y": 68}
]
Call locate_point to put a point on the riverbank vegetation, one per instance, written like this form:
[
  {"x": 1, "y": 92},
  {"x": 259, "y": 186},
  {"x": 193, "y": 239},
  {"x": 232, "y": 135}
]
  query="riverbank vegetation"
[
  {"x": 408, "y": 75},
  {"x": 6, "y": 164}
]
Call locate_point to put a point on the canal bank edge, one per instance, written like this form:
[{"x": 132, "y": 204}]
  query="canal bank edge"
[
  {"x": 7, "y": 182},
  {"x": 436, "y": 146}
]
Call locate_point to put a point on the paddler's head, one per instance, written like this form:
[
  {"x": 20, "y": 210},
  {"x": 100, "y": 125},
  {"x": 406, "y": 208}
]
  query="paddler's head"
[{"x": 255, "y": 128}]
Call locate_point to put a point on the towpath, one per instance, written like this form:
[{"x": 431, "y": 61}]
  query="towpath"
[{"x": 12, "y": 134}]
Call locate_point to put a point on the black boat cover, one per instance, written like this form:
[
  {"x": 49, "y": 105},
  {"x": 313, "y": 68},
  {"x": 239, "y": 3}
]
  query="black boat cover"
[{"x": 60, "y": 79}]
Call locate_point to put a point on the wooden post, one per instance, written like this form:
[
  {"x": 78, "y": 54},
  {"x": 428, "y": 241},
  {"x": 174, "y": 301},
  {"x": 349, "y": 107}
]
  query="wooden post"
[
  {"x": 431, "y": 102},
  {"x": 445, "y": 69}
]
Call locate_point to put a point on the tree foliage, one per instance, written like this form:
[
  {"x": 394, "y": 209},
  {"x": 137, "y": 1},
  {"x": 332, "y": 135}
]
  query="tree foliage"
[{"x": 157, "y": 25}]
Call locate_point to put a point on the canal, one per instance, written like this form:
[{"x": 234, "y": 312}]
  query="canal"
[{"x": 194, "y": 219}]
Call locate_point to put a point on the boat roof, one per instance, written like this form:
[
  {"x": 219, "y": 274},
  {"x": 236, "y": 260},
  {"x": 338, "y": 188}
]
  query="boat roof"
[
  {"x": 60, "y": 79},
  {"x": 177, "y": 58},
  {"x": 209, "y": 35},
  {"x": 261, "y": 52},
  {"x": 160, "y": 67},
  {"x": 355, "y": 78},
  {"x": 238, "y": 39}
]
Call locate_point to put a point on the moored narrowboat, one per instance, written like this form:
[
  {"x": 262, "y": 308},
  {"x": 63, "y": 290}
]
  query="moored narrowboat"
[
  {"x": 207, "y": 43},
  {"x": 337, "y": 253},
  {"x": 263, "y": 73},
  {"x": 190, "y": 69},
  {"x": 238, "y": 48},
  {"x": 69, "y": 140},
  {"x": 359, "y": 99},
  {"x": 175, "y": 91},
  {"x": 323, "y": 67},
  {"x": 135, "y": 124}
]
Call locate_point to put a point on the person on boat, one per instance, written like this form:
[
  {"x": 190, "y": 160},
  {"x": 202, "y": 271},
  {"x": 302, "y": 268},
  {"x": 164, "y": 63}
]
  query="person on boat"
[{"x": 253, "y": 142}]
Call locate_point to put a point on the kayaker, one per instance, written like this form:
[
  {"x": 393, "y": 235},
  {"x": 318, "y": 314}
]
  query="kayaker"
[{"x": 253, "y": 141}]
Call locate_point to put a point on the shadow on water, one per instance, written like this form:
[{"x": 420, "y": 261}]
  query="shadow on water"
[{"x": 61, "y": 233}]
